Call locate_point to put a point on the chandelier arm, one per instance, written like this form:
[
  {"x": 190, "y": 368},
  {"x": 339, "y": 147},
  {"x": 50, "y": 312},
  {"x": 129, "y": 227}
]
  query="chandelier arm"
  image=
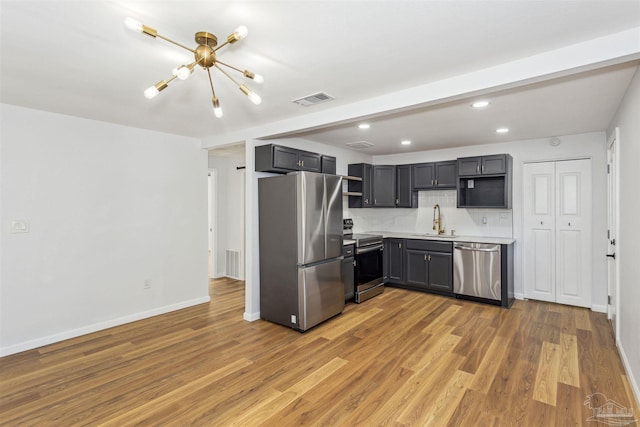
[
  {"x": 221, "y": 46},
  {"x": 213, "y": 92},
  {"x": 176, "y": 43},
  {"x": 227, "y": 74},
  {"x": 230, "y": 66}
]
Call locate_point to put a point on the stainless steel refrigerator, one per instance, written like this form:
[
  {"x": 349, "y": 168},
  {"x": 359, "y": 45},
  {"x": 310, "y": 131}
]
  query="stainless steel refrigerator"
[{"x": 300, "y": 248}]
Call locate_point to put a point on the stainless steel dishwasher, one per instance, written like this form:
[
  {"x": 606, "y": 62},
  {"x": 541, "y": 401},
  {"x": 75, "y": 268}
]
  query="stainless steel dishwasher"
[{"x": 477, "y": 270}]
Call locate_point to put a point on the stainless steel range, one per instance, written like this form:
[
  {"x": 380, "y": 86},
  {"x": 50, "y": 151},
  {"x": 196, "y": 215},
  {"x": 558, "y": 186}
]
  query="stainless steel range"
[{"x": 368, "y": 263}]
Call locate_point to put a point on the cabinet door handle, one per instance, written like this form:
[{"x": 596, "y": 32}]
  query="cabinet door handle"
[
  {"x": 431, "y": 182},
  {"x": 425, "y": 257},
  {"x": 399, "y": 245},
  {"x": 477, "y": 168},
  {"x": 366, "y": 201},
  {"x": 436, "y": 182},
  {"x": 482, "y": 167},
  {"x": 429, "y": 257},
  {"x": 397, "y": 201}
]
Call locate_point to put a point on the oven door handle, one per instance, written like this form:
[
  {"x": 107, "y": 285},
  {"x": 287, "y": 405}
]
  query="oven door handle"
[{"x": 368, "y": 249}]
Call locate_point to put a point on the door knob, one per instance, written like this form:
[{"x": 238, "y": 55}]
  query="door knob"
[
  {"x": 540, "y": 222},
  {"x": 613, "y": 255}
]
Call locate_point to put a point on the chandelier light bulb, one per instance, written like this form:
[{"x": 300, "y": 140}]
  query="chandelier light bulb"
[
  {"x": 254, "y": 97},
  {"x": 258, "y": 78},
  {"x": 216, "y": 107},
  {"x": 183, "y": 72},
  {"x": 241, "y": 32},
  {"x": 151, "y": 92},
  {"x": 133, "y": 25}
]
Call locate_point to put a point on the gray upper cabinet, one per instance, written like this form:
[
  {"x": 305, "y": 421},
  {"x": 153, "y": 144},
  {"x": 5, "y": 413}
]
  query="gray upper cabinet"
[
  {"x": 438, "y": 175},
  {"x": 364, "y": 171},
  {"x": 328, "y": 164},
  {"x": 384, "y": 186},
  {"x": 446, "y": 174},
  {"x": 483, "y": 165},
  {"x": 424, "y": 175},
  {"x": 405, "y": 196},
  {"x": 279, "y": 159},
  {"x": 485, "y": 182}
]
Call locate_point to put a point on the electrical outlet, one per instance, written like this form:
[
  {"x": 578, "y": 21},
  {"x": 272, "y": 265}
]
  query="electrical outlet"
[
  {"x": 147, "y": 283},
  {"x": 20, "y": 226}
]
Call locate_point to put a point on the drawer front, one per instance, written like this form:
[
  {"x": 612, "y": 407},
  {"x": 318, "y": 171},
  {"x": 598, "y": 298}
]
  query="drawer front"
[
  {"x": 348, "y": 250},
  {"x": 429, "y": 245}
]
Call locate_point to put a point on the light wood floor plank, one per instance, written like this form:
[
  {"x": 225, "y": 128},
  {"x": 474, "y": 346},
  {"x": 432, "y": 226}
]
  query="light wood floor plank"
[{"x": 546, "y": 385}]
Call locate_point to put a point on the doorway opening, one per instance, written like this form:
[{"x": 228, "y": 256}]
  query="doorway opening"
[
  {"x": 613, "y": 285},
  {"x": 227, "y": 211}
]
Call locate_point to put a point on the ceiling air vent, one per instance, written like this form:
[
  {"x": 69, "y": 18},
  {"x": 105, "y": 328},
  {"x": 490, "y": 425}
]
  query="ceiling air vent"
[
  {"x": 314, "y": 99},
  {"x": 359, "y": 144}
]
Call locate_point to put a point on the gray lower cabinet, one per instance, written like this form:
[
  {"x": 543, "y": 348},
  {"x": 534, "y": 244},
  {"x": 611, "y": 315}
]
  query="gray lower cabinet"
[
  {"x": 348, "y": 277},
  {"x": 421, "y": 265},
  {"x": 430, "y": 270},
  {"x": 393, "y": 261}
]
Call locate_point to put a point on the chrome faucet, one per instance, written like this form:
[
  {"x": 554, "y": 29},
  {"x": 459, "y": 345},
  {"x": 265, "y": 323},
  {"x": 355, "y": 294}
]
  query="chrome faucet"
[{"x": 437, "y": 222}]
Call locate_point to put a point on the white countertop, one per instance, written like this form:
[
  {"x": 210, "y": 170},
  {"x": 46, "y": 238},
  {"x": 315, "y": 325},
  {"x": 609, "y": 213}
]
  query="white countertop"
[{"x": 444, "y": 238}]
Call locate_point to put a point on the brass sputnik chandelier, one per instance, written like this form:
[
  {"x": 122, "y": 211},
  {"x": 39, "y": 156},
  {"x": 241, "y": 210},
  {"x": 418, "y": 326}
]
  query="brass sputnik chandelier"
[{"x": 205, "y": 56}]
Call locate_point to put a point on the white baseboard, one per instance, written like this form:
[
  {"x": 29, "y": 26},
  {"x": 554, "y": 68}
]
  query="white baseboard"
[
  {"x": 50, "y": 339},
  {"x": 599, "y": 308},
  {"x": 518, "y": 295},
  {"x": 632, "y": 379},
  {"x": 251, "y": 317}
]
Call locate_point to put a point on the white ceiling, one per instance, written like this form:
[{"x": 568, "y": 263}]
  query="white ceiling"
[{"x": 77, "y": 58}]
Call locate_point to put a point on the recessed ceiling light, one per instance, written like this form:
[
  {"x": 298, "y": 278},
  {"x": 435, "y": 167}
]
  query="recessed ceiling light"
[
  {"x": 502, "y": 130},
  {"x": 405, "y": 142},
  {"x": 364, "y": 125},
  {"x": 480, "y": 104}
]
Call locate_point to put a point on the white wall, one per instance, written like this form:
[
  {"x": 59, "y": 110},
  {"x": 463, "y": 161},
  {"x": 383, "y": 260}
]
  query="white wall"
[
  {"x": 252, "y": 280},
  {"x": 229, "y": 193},
  {"x": 108, "y": 208},
  {"x": 500, "y": 222},
  {"x": 628, "y": 244}
]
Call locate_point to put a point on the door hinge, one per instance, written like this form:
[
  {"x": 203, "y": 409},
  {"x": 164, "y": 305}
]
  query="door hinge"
[
  {"x": 609, "y": 299},
  {"x": 608, "y": 234},
  {"x": 608, "y": 168}
]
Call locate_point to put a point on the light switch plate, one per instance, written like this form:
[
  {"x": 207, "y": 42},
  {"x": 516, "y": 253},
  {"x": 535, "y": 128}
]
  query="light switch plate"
[{"x": 20, "y": 226}]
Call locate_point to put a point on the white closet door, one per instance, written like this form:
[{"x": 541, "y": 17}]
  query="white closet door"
[
  {"x": 573, "y": 232},
  {"x": 540, "y": 229}
]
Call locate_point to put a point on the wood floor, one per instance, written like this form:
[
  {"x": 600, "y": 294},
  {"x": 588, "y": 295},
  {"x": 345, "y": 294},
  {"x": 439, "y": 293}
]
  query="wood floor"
[{"x": 402, "y": 358}]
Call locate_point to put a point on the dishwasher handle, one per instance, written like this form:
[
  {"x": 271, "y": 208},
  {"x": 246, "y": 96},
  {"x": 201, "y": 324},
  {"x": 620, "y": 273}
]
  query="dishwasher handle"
[{"x": 468, "y": 248}]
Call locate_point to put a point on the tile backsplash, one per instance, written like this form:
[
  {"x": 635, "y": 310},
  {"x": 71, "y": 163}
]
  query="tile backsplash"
[{"x": 465, "y": 222}]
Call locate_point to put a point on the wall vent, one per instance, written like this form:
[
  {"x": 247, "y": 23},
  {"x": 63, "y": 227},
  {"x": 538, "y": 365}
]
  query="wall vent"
[
  {"x": 359, "y": 144},
  {"x": 314, "y": 99},
  {"x": 232, "y": 264}
]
